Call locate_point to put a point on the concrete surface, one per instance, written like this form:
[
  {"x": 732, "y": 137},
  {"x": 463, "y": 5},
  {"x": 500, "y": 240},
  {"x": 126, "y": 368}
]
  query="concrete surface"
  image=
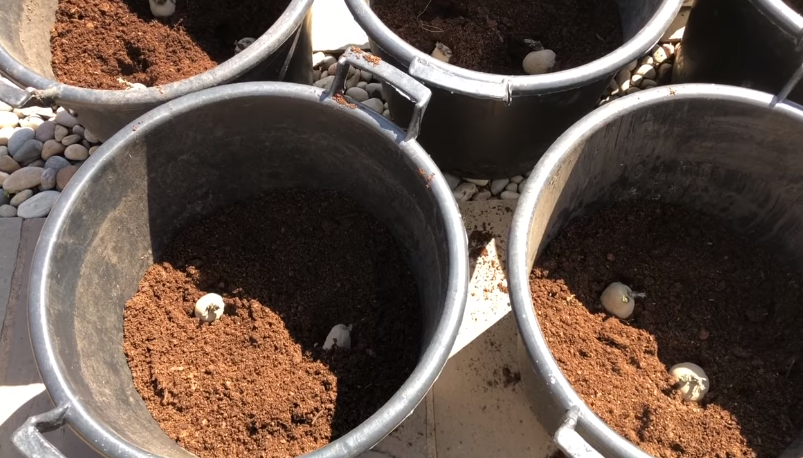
[{"x": 477, "y": 408}]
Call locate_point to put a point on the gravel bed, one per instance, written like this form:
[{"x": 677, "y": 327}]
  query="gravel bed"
[{"x": 41, "y": 147}]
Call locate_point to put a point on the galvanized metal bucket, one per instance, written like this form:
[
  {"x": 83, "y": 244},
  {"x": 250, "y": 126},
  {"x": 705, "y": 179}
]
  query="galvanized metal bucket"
[{"x": 721, "y": 150}]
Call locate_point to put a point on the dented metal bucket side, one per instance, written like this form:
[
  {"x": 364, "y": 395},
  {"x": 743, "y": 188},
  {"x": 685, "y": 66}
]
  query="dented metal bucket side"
[{"x": 726, "y": 151}]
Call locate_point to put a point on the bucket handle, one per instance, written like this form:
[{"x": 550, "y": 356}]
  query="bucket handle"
[
  {"x": 407, "y": 86},
  {"x": 496, "y": 88},
  {"x": 789, "y": 86},
  {"x": 17, "y": 98},
  {"x": 569, "y": 441},
  {"x": 29, "y": 440}
]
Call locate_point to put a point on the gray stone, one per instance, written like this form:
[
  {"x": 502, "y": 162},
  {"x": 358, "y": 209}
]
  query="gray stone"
[
  {"x": 512, "y": 187},
  {"x": 46, "y": 131},
  {"x": 325, "y": 82},
  {"x": 3, "y": 150},
  {"x": 60, "y": 133},
  {"x": 56, "y": 163},
  {"x": 66, "y": 119},
  {"x": 24, "y": 178},
  {"x": 482, "y": 195},
  {"x": 18, "y": 138},
  {"x": 29, "y": 151},
  {"x": 328, "y": 61},
  {"x": 452, "y": 180},
  {"x": 375, "y": 104},
  {"x": 374, "y": 90},
  {"x": 517, "y": 179},
  {"x": 48, "y": 179},
  {"x": 21, "y": 197},
  {"x": 366, "y": 76},
  {"x": 352, "y": 80},
  {"x": 90, "y": 137},
  {"x": 478, "y": 182},
  {"x": 52, "y": 148},
  {"x": 357, "y": 94},
  {"x": 39, "y": 205},
  {"x": 78, "y": 130},
  {"x": 7, "y": 211},
  {"x": 509, "y": 195},
  {"x": 362, "y": 84},
  {"x": 8, "y": 164},
  {"x": 37, "y": 163},
  {"x": 4, "y": 199},
  {"x": 64, "y": 176},
  {"x": 76, "y": 153},
  {"x": 71, "y": 139},
  {"x": 316, "y": 75},
  {"x": 93, "y": 149},
  {"x": 3, "y": 177},
  {"x": 647, "y": 71},
  {"x": 498, "y": 186},
  {"x": 646, "y": 84},
  {"x": 386, "y": 114},
  {"x": 464, "y": 191}
]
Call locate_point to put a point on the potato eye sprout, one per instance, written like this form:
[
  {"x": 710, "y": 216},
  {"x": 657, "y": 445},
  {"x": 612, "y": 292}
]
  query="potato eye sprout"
[
  {"x": 209, "y": 308},
  {"x": 162, "y": 8},
  {"x": 691, "y": 381},
  {"x": 619, "y": 300}
]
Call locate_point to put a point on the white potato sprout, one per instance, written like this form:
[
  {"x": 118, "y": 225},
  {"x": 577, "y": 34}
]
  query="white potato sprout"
[
  {"x": 442, "y": 52},
  {"x": 162, "y": 8},
  {"x": 209, "y": 308}
]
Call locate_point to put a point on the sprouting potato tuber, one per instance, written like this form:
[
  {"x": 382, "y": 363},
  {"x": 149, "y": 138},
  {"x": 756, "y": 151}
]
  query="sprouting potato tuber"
[
  {"x": 209, "y": 308},
  {"x": 691, "y": 381},
  {"x": 619, "y": 300},
  {"x": 162, "y": 8},
  {"x": 539, "y": 62},
  {"x": 340, "y": 336},
  {"x": 442, "y": 52},
  {"x": 241, "y": 44}
]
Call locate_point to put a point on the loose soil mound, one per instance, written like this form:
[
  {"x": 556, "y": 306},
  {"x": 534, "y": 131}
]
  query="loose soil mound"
[
  {"x": 290, "y": 265},
  {"x": 713, "y": 298}
]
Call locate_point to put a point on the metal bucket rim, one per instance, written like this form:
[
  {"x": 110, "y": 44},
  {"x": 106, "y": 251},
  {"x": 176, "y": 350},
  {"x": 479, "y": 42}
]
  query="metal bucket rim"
[
  {"x": 378, "y": 425},
  {"x": 782, "y": 15},
  {"x": 538, "y": 353},
  {"x": 563, "y": 80},
  {"x": 281, "y": 30}
]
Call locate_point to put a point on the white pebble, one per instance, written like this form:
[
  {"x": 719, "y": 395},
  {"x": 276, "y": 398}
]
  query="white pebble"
[
  {"x": 482, "y": 195},
  {"x": 209, "y": 308},
  {"x": 21, "y": 197},
  {"x": 636, "y": 80},
  {"x": 478, "y": 182},
  {"x": 90, "y": 137},
  {"x": 539, "y": 62},
  {"x": 509, "y": 195},
  {"x": 648, "y": 84},
  {"x": 64, "y": 118},
  {"x": 71, "y": 140},
  {"x": 647, "y": 71},
  {"x": 375, "y": 104},
  {"x": 692, "y": 381},
  {"x": 7, "y": 211},
  {"x": 357, "y": 94},
  {"x": 633, "y": 90},
  {"x": 452, "y": 180},
  {"x": 517, "y": 179},
  {"x": 8, "y": 119},
  {"x": 632, "y": 66},
  {"x": 442, "y": 52},
  {"x": 76, "y": 153},
  {"x": 327, "y": 61},
  {"x": 659, "y": 55},
  {"x": 339, "y": 336},
  {"x": 464, "y": 191},
  {"x": 322, "y": 83},
  {"x": 648, "y": 60},
  {"x": 622, "y": 77},
  {"x": 386, "y": 114},
  {"x": 32, "y": 121},
  {"x": 5, "y": 134},
  {"x": 60, "y": 132},
  {"x": 498, "y": 186},
  {"x": 512, "y": 187}
]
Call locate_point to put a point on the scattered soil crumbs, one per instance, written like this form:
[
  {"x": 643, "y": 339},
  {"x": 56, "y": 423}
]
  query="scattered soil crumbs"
[
  {"x": 488, "y": 36},
  {"x": 713, "y": 299},
  {"x": 96, "y": 42},
  {"x": 290, "y": 265},
  {"x": 796, "y": 5}
]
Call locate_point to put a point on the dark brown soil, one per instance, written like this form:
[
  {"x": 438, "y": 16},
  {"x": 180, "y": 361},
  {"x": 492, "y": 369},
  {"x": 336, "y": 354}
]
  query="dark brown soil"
[
  {"x": 96, "y": 42},
  {"x": 713, "y": 298},
  {"x": 290, "y": 266},
  {"x": 796, "y": 5},
  {"x": 488, "y": 36}
]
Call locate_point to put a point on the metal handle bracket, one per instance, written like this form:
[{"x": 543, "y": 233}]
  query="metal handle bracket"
[
  {"x": 569, "y": 441},
  {"x": 29, "y": 440},
  {"x": 407, "y": 86}
]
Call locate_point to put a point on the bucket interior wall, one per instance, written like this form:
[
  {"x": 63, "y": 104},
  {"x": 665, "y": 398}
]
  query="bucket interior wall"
[
  {"x": 182, "y": 168},
  {"x": 720, "y": 157},
  {"x": 25, "y": 32}
]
